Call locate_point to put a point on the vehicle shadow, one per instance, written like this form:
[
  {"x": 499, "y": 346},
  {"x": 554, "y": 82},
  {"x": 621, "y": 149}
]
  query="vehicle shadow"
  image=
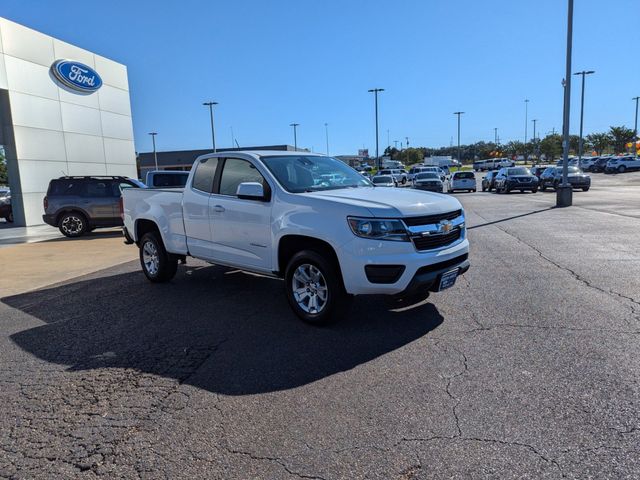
[{"x": 217, "y": 329}]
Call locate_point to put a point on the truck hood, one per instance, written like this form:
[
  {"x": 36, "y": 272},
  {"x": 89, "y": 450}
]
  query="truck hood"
[{"x": 391, "y": 202}]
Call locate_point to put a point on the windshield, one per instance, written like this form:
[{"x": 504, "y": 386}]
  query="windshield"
[
  {"x": 383, "y": 179},
  {"x": 422, "y": 176},
  {"x": 464, "y": 175},
  {"x": 518, "y": 171},
  {"x": 309, "y": 173}
]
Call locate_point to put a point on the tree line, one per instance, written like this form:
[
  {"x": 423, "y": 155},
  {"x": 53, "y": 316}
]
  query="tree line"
[{"x": 614, "y": 141}]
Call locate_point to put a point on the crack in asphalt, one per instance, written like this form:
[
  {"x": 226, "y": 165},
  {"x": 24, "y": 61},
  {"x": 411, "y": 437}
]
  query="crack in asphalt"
[{"x": 635, "y": 307}]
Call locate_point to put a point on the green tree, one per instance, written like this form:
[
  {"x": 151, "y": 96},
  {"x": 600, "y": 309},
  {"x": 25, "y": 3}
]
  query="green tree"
[
  {"x": 514, "y": 147},
  {"x": 551, "y": 146},
  {"x": 620, "y": 136},
  {"x": 574, "y": 141},
  {"x": 4, "y": 175},
  {"x": 599, "y": 141}
]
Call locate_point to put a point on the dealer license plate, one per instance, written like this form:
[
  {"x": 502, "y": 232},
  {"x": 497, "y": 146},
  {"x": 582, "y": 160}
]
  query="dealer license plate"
[{"x": 448, "y": 279}]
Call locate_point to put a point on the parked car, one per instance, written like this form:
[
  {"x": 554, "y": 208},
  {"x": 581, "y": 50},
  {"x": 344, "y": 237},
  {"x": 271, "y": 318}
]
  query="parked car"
[
  {"x": 429, "y": 181},
  {"x": 599, "y": 165},
  {"x": 488, "y": 181},
  {"x": 77, "y": 205},
  {"x": 538, "y": 169},
  {"x": 587, "y": 162},
  {"x": 416, "y": 169},
  {"x": 623, "y": 164},
  {"x": 515, "y": 178},
  {"x": 385, "y": 181},
  {"x": 269, "y": 215},
  {"x": 166, "y": 179},
  {"x": 6, "y": 211},
  {"x": 400, "y": 176},
  {"x": 462, "y": 181},
  {"x": 552, "y": 177}
]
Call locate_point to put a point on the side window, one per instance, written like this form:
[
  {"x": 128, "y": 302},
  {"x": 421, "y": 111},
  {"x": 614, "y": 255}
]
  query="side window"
[
  {"x": 99, "y": 189},
  {"x": 235, "y": 172},
  {"x": 205, "y": 173}
]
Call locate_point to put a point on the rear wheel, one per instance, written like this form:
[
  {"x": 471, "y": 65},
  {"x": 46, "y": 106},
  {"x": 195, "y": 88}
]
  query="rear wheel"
[
  {"x": 534, "y": 190},
  {"x": 621, "y": 169},
  {"x": 585, "y": 189},
  {"x": 73, "y": 224},
  {"x": 10, "y": 217},
  {"x": 157, "y": 264},
  {"x": 314, "y": 288}
]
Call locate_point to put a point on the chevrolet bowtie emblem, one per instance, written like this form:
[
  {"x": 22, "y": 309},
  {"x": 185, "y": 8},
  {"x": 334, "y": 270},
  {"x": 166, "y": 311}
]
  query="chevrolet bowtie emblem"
[{"x": 445, "y": 226}]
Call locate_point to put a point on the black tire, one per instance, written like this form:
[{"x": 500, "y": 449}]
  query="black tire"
[
  {"x": 157, "y": 264},
  {"x": 73, "y": 224},
  {"x": 621, "y": 169},
  {"x": 484, "y": 189},
  {"x": 336, "y": 302},
  {"x": 10, "y": 217},
  {"x": 474, "y": 190},
  {"x": 555, "y": 185},
  {"x": 543, "y": 187},
  {"x": 585, "y": 189},
  {"x": 534, "y": 190}
]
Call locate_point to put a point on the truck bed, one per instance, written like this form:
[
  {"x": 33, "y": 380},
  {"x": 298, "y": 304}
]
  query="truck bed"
[{"x": 162, "y": 206}]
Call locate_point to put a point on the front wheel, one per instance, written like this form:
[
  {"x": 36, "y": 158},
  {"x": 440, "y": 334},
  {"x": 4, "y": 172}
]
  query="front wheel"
[
  {"x": 621, "y": 169},
  {"x": 314, "y": 288},
  {"x": 157, "y": 264},
  {"x": 534, "y": 190},
  {"x": 10, "y": 217},
  {"x": 585, "y": 189}
]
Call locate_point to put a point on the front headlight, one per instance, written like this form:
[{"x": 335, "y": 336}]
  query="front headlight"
[{"x": 378, "y": 229}]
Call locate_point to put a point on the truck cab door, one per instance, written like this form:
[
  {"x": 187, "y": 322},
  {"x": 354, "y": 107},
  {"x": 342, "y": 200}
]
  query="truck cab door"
[
  {"x": 241, "y": 228},
  {"x": 195, "y": 208}
]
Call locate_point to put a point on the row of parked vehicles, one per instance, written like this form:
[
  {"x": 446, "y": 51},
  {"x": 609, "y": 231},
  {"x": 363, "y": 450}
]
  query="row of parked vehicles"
[
  {"x": 537, "y": 178},
  {"x": 608, "y": 163},
  {"x": 5, "y": 204}
]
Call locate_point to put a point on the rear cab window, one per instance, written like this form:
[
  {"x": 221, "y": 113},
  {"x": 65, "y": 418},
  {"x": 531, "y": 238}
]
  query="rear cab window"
[{"x": 205, "y": 174}]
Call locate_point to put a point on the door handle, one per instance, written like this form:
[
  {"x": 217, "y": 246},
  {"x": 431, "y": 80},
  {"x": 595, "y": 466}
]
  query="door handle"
[{"x": 218, "y": 208}]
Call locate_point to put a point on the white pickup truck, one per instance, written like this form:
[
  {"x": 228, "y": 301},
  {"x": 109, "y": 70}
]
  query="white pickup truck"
[{"x": 308, "y": 219}]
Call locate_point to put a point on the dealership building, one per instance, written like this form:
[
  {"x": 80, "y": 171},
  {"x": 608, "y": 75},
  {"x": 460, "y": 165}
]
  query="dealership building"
[{"x": 64, "y": 111}]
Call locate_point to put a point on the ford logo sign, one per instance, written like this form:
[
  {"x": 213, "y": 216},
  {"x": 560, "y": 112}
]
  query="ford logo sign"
[{"x": 76, "y": 75}]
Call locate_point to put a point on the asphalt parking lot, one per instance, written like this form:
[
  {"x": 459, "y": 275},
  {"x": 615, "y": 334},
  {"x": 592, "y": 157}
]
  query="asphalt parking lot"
[{"x": 528, "y": 368}]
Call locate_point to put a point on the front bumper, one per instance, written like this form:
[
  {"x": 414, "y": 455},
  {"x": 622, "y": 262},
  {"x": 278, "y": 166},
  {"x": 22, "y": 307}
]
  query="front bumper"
[
  {"x": 356, "y": 254},
  {"x": 522, "y": 185},
  {"x": 429, "y": 188}
]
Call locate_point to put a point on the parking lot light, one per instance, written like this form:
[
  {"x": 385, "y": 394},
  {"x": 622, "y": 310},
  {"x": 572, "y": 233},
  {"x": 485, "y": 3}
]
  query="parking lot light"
[
  {"x": 375, "y": 92},
  {"x": 584, "y": 73},
  {"x": 155, "y": 155},
  {"x": 213, "y": 134},
  {"x": 565, "y": 193},
  {"x": 458, "y": 114},
  {"x": 295, "y": 135},
  {"x": 635, "y": 130}
]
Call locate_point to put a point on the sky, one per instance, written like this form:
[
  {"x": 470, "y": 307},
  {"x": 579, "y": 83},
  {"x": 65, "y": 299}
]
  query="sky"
[{"x": 271, "y": 63}]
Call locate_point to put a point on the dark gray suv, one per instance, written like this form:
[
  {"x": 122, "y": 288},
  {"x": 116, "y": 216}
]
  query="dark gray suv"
[{"x": 77, "y": 205}]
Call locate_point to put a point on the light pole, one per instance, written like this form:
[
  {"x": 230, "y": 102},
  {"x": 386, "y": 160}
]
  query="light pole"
[
  {"x": 564, "y": 193},
  {"x": 213, "y": 134},
  {"x": 535, "y": 121},
  {"x": 326, "y": 134},
  {"x": 295, "y": 135},
  {"x": 388, "y": 141},
  {"x": 155, "y": 155},
  {"x": 635, "y": 130},
  {"x": 495, "y": 135},
  {"x": 407, "y": 139},
  {"x": 526, "y": 119},
  {"x": 375, "y": 93},
  {"x": 458, "y": 114},
  {"x": 395, "y": 143},
  {"x": 584, "y": 73}
]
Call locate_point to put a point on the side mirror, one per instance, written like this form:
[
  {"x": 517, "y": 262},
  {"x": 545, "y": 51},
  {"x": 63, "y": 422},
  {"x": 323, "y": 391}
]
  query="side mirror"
[{"x": 251, "y": 191}]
